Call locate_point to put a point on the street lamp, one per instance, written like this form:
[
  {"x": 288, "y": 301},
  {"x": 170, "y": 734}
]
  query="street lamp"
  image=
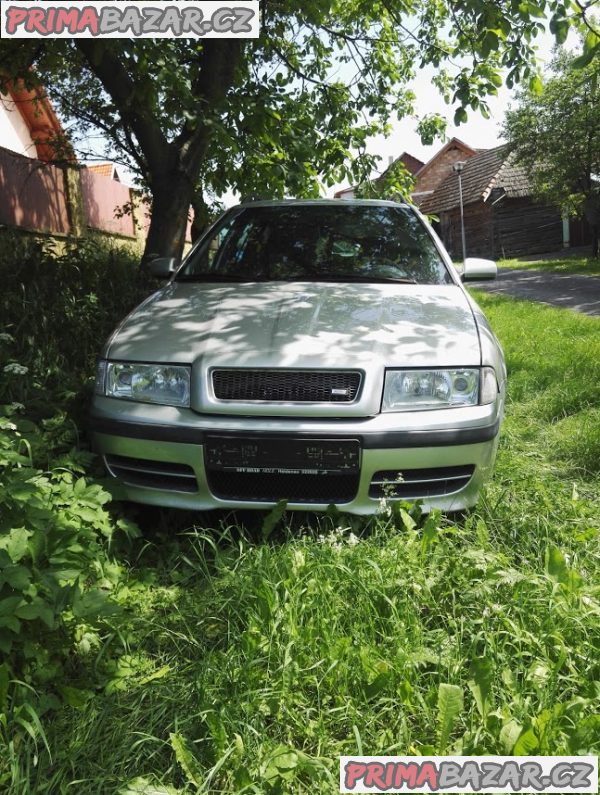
[{"x": 458, "y": 167}]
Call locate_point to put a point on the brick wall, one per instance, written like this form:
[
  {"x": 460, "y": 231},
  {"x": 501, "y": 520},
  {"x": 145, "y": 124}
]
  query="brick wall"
[{"x": 439, "y": 169}]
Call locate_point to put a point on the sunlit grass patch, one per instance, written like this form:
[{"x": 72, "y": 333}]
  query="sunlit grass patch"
[{"x": 585, "y": 266}]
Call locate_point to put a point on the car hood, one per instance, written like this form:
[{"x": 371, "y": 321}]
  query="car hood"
[{"x": 319, "y": 324}]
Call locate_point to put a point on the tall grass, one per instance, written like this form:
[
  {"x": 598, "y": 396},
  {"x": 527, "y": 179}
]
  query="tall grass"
[{"x": 248, "y": 665}]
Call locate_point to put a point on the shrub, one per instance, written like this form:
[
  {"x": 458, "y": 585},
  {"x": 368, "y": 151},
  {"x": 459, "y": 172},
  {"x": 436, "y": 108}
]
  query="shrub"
[
  {"x": 57, "y": 309},
  {"x": 57, "y": 577}
]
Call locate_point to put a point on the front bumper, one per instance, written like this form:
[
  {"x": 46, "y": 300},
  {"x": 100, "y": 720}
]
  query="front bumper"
[{"x": 437, "y": 443}]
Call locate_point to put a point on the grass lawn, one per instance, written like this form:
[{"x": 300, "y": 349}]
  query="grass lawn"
[
  {"x": 249, "y": 666},
  {"x": 586, "y": 266}
]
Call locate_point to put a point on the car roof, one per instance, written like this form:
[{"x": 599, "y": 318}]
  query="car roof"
[{"x": 321, "y": 202}]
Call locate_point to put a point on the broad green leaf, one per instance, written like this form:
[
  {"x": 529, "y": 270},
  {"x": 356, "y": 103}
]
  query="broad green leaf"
[
  {"x": 509, "y": 734},
  {"x": 34, "y": 610},
  {"x": 6, "y": 641},
  {"x": 584, "y": 59},
  {"x": 536, "y": 85},
  {"x": 145, "y": 786},
  {"x": 460, "y": 116},
  {"x": 94, "y": 603},
  {"x": 75, "y": 697},
  {"x": 527, "y": 743},
  {"x": 280, "y": 764},
  {"x": 18, "y": 577},
  {"x": 377, "y": 685},
  {"x": 450, "y": 706},
  {"x": 9, "y": 605},
  {"x": 560, "y": 29},
  {"x": 490, "y": 43},
  {"x": 15, "y": 543},
  {"x": 187, "y": 759},
  {"x": 165, "y": 670},
  {"x": 482, "y": 673},
  {"x": 558, "y": 569},
  {"x": 273, "y": 518}
]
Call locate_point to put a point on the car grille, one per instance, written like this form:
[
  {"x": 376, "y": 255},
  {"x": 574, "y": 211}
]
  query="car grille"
[
  {"x": 152, "y": 474},
  {"x": 269, "y": 487},
  {"x": 415, "y": 483},
  {"x": 303, "y": 386}
]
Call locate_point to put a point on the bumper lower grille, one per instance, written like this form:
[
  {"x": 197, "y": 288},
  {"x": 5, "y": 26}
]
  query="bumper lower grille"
[
  {"x": 279, "y": 386},
  {"x": 414, "y": 483},
  {"x": 269, "y": 487},
  {"x": 152, "y": 474}
]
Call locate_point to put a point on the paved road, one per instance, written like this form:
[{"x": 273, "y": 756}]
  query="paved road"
[{"x": 580, "y": 293}]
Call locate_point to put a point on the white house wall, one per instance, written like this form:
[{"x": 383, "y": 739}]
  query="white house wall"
[{"x": 14, "y": 133}]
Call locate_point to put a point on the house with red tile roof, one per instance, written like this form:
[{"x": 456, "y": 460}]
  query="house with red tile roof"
[
  {"x": 105, "y": 170},
  {"x": 427, "y": 175}
]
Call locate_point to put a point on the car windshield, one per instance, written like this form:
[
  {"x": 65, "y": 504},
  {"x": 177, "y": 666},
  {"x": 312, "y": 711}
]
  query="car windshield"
[{"x": 312, "y": 242}]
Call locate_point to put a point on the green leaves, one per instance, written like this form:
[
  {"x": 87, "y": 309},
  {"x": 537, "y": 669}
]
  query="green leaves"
[
  {"x": 187, "y": 759},
  {"x": 450, "y": 707},
  {"x": 15, "y": 541},
  {"x": 559, "y": 26},
  {"x": 560, "y": 117},
  {"x": 460, "y": 116},
  {"x": 591, "y": 50},
  {"x": 55, "y": 572},
  {"x": 273, "y": 518},
  {"x": 558, "y": 570},
  {"x": 480, "y": 685}
]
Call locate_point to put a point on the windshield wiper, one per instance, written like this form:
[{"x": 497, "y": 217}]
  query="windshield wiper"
[
  {"x": 353, "y": 277},
  {"x": 211, "y": 277}
]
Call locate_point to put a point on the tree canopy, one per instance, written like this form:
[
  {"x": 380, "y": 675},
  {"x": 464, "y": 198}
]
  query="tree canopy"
[
  {"x": 555, "y": 133},
  {"x": 282, "y": 114}
]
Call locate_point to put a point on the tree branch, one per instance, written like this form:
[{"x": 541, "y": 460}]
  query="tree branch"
[{"x": 111, "y": 72}]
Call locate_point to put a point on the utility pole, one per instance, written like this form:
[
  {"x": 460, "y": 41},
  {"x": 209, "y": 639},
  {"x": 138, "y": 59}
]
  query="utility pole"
[{"x": 458, "y": 167}]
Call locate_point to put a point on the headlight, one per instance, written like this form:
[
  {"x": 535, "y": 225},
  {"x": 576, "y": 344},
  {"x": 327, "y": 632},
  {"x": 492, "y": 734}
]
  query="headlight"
[
  {"x": 409, "y": 390},
  {"x": 145, "y": 383}
]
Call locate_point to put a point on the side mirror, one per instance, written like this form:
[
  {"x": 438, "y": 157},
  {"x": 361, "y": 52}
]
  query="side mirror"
[
  {"x": 476, "y": 269},
  {"x": 162, "y": 267}
]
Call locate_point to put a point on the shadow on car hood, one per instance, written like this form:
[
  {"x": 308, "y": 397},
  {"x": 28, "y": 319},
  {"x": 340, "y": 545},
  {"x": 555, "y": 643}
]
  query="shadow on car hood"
[{"x": 301, "y": 324}]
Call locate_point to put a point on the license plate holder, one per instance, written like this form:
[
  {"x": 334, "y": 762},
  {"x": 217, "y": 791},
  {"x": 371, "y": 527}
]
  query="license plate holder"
[{"x": 282, "y": 455}]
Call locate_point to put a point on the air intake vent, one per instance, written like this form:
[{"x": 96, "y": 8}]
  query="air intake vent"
[
  {"x": 152, "y": 474},
  {"x": 270, "y": 487},
  {"x": 415, "y": 483},
  {"x": 282, "y": 386}
]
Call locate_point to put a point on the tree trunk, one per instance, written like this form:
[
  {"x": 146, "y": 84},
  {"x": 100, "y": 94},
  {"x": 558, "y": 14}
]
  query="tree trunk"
[
  {"x": 591, "y": 210},
  {"x": 171, "y": 198},
  {"x": 202, "y": 217}
]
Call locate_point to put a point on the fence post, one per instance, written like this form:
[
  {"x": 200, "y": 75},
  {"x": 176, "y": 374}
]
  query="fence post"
[{"x": 74, "y": 200}]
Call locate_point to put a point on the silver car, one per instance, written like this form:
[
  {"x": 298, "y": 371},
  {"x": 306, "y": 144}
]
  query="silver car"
[{"x": 314, "y": 351}]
